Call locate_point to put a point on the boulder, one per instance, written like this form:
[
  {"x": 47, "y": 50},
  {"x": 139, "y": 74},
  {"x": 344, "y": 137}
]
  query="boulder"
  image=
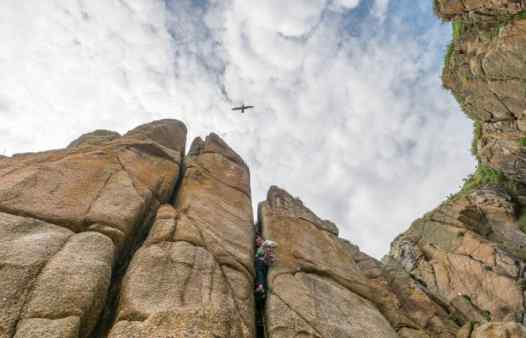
[
  {"x": 194, "y": 275},
  {"x": 96, "y": 137},
  {"x": 68, "y": 217},
  {"x": 315, "y": 287}
]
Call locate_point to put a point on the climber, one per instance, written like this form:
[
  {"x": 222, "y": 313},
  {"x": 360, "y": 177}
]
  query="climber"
[
  {"x": 261, "y": 268},
  {"x": 264, "y": 258}
]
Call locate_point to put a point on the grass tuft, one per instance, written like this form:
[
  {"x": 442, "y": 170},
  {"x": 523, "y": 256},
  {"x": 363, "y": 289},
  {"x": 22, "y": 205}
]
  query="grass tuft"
[
  {"x": 522, "y": 142},
  {"x": 449, "y": 53},
  {"x": 458, "y": 29},
  {"x": 483, "y": 175}
]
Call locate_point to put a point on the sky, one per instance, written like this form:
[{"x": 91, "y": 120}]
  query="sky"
[{"x": 349, "y": 115}]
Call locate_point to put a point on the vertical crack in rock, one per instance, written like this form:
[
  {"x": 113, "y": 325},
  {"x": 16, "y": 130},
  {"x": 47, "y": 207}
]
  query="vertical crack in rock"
[
  {"x": 194, "y": 274},
  {"x": 109, "y": 313},
  {"x": 260, "y": 300}
]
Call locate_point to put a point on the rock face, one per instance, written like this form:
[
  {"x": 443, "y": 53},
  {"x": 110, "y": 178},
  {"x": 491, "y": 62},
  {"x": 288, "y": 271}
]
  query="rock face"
[
  {"x": 478, "y": 9},
  {"x": 194, "y": 275},
  {"x": 128, "y": 236},
  {"x": 485, "y": 70},
  {"x": 470, "y": 252},
  {"x": 314, "y": 269},
  {"x": 451, "y": 252},
  {"x": 67, "y": 217},
  {"x": 500, "y": 330}
]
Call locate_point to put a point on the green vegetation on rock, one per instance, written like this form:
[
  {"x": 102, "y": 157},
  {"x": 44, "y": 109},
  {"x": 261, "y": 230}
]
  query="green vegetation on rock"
[
  {"x": 458, "y": 28},
  {"x": 449, "y": 53},
  {"x": 521, "y": 15},
  {"x": 484, "y": 175}
]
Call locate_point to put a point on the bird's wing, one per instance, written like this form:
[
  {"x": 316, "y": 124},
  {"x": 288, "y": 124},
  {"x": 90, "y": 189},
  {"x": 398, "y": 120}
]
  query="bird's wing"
[
  {"x": 246, "y": 107},
  {"x": 237, "y": 108}
]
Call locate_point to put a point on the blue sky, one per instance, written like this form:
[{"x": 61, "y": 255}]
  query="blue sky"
[{"x": 350, "y": 113}]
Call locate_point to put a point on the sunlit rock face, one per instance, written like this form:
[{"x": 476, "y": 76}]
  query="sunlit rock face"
[
  {"x": 193, "y": 276},
  {"x": 133, "y": 236},
  {"x": 323, "y": 286},
  {"x": 68, "y": 217}
]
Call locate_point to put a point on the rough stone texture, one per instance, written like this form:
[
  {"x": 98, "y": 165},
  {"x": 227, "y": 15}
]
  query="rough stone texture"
[
  {"x": 71, "y": 219},
  {"x": 68, "y": 216},
  {"x": 486, "y": 71},
  {"x": 470, "y": 252},
  {"x": 452, "y": 257},
  {"x": 500, "y": 330},
  {"x": 479, "y": 9},
  {"x": 317, "y": 290},
  {"x": 96, "y": 137},
  {"x": 168, "y": 133},
  {"x": 407, "y": 304},
  {"x": 111, "y": 184},
  {"x": 194, "y": 275}
]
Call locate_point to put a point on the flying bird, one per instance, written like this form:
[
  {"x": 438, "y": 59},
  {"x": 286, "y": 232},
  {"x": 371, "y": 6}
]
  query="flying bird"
[{"x": 242, "y": 108}]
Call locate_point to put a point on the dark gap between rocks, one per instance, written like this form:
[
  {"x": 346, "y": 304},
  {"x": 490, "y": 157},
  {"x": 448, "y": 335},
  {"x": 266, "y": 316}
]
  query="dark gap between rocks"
[
  {"x": 109, "y": 313},
  {"x": 260, "y": 301}
]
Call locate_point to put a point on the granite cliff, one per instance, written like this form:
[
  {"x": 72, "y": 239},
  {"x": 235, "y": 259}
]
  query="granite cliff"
[{"x": 129, "y": 236}]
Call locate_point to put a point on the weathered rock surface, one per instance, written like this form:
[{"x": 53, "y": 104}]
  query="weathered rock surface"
[
  {"x": 68, "y": 216},
  {"x": 470, "y": 252},
  {"x": 410, "y": 307},
  {"x": 486, "y": 71},
  {"x": 500, "y": 330},
  {"x": 94, "y": 138},
  {"x": 478, "y": 9},
  {"x": 317, "y": 290},
  {"x": 194, "y": 275},
  {"x": 451, "y": 252},
  {"x": 78, "y": 258}
]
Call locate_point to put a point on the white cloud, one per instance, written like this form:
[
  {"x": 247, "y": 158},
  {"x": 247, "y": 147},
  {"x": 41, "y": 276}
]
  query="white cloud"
[{"x": 357, "y": 125}]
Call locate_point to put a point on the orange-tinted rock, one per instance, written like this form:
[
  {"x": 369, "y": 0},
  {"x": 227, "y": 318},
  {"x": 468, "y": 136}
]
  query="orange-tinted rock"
[
  {"x": 111, "y": 183},
  {"x": 194, "y": 275},
  {"x": 68, "y": 216},
  {"x": 96, "y": 137},
  {"x": 316, "y": 288}
]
